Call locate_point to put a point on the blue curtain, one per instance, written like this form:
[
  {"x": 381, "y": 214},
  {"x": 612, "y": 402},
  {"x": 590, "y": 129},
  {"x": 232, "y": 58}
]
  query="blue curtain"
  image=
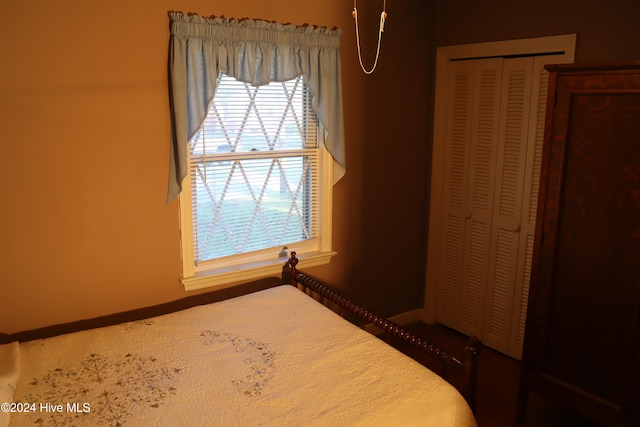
[{"x": 255, "y": 52}]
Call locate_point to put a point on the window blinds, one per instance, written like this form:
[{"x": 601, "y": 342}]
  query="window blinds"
[{"x": 254, "y": 169}]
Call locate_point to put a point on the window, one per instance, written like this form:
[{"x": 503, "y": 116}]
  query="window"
[
  {"x": 250, "y": 163},
  {"x": 256, "y": 169}
]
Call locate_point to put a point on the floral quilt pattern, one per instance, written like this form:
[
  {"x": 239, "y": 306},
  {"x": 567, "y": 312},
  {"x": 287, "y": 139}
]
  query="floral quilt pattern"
[
  {"x": 257, "y": 356},
  {"x": 115, "y": 386}
]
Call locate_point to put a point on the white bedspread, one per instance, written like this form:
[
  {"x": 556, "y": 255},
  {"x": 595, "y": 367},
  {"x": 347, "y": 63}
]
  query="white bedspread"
[{"x": 271, "y": 358}]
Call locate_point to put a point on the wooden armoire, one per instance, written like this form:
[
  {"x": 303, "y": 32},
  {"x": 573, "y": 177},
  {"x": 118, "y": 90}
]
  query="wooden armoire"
[{"x": 582, "y": 336}]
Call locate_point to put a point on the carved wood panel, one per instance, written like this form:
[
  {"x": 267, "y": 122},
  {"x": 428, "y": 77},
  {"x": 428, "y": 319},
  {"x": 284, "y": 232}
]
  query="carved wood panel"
[{"x": 582, "y": 340}]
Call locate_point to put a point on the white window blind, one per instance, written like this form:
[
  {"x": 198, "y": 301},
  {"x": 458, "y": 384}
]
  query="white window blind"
[{"x": 254, "y": 168}]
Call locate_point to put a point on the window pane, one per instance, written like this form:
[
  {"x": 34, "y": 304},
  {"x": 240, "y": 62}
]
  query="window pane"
[
  {"x": 248, "y": 193},
  {"x": 243, "y": 118}
]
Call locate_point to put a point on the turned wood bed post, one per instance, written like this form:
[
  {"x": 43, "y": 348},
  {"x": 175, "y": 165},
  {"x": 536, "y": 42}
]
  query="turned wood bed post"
[
  {"x": 289, "y": 270},
  {"x": 472, "y": 350}
]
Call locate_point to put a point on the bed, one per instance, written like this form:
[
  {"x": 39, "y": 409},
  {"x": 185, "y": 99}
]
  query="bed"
[{"x": 271, "y": 357}]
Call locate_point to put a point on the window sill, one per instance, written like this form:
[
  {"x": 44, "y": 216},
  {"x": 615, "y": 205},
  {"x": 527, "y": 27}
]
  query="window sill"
[{"x": 228, "y": 277}]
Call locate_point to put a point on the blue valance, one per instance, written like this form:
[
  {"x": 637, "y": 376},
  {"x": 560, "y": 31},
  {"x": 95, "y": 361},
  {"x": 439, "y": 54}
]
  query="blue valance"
[{"x": 256, "y": 52}]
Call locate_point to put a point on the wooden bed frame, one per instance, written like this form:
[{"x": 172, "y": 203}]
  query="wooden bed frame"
[
  {"x": 393, "y": 332},
  {"x": 467, "y": 366}
]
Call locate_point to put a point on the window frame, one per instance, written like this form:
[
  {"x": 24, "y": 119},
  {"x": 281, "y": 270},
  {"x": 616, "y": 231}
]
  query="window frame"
[{"x": 228, "y": 271}]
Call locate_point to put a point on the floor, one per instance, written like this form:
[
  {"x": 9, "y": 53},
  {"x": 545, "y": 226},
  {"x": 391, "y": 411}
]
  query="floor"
[{"x": 498, "y": 379}]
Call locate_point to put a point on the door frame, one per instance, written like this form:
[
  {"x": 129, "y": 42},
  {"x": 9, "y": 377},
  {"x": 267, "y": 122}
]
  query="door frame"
[{"x": 563, "y": 45}]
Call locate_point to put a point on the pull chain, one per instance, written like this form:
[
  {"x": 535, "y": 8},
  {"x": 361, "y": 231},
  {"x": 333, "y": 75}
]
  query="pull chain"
[{"x": 383, "y": 18}]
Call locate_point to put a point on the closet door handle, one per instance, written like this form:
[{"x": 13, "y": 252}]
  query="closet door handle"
[
  {"x": 467, "y": 215},
  {"x": 516, "y": 228}
]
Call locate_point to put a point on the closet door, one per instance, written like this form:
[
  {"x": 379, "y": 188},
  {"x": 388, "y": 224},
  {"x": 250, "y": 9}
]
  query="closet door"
[
  {"x": 472, "y": 134},
  {"x": 520, "y": 141},
  {"x": 530, "y": 202},
  {"x": 507, "y": 208},
  {"x": 496, "y": 115}
]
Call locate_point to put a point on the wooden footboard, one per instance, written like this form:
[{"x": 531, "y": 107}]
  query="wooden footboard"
[{"x": 467, "y": 364}]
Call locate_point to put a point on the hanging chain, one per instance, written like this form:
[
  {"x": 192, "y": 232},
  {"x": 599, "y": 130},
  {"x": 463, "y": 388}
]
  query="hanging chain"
[{"x": 383, "y": 18}]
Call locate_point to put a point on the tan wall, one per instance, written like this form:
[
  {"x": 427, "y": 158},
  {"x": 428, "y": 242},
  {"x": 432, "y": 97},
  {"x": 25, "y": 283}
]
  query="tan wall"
[{"x": 84, "y": 128}]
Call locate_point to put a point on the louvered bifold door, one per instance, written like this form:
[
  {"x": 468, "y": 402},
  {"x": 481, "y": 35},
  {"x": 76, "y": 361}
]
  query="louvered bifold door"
[
  {"x": 495, "y": 128},
  {"x": 537, "y": 114},
  {"x": 470, "y": 162},
  {"x": 459, "y": 113},
  {"x": 516, "y": 192},
  {"x": 505, "y": 234}
]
